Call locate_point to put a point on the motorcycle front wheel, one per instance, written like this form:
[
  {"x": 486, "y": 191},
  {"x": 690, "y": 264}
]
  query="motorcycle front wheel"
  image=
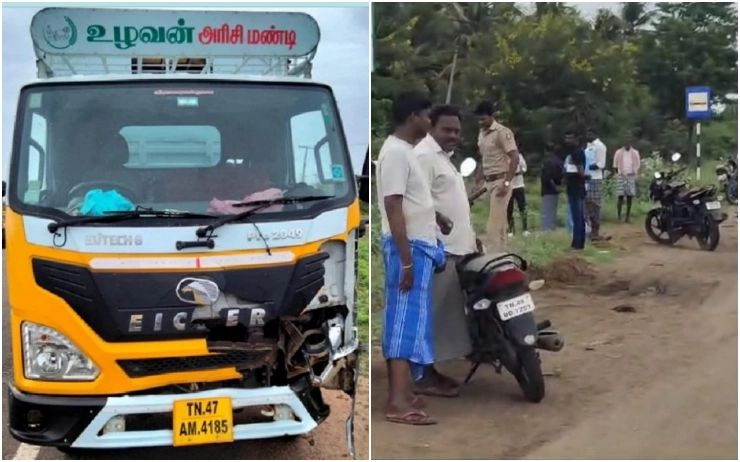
[
  {"x": 708, "y": 237},
  {"x": 529, "y": 376},
  {"x": 654, "y": 229}
]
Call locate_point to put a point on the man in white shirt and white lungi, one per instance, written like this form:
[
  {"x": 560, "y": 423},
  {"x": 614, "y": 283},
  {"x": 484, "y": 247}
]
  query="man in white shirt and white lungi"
[{"x": 451, "y": 338}]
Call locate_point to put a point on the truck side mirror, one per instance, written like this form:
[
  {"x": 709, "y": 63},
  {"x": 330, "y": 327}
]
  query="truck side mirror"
[
  {"x": 4, "y": 215},
  {"x": 363, "y": 181}
]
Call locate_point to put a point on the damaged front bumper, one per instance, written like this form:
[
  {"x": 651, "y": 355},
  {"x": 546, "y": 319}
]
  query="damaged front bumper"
[{"x": 99, "y": 422}]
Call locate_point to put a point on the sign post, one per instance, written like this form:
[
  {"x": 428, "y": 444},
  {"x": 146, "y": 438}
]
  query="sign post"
[{"x": 698, "y": 108}]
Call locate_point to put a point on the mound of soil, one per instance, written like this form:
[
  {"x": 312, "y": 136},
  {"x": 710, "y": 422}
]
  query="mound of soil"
[{"x": 566, "y": 271}]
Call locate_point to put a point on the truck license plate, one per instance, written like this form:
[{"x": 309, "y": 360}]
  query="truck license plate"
[
  {"x": 714, "y": 205},
  {"x": 515, "y": 307},
  {"x": 202, "y": 421}
]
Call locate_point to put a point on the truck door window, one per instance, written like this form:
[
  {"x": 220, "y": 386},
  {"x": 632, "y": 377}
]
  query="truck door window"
[
  {"x": 312, "y": 154},
  {"x": 36, "y": 159}
]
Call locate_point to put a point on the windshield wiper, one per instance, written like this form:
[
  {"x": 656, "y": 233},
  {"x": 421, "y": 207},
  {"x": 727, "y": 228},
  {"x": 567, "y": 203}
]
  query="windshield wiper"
[
  {"x": 206, "y": 232},
  {"x": 112, "y": 217}
]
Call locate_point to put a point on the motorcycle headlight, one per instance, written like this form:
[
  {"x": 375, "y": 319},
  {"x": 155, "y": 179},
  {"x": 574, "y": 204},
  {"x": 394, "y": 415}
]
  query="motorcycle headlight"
[{"x": 49, "y": 355}]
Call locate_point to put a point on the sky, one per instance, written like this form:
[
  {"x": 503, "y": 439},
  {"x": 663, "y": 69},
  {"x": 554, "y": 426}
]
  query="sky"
[{"x": 342, "y": 61}]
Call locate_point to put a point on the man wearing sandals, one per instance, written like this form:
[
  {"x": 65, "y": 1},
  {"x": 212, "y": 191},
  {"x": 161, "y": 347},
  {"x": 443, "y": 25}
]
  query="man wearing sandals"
[
  {"x": 451, "y": 338},
  {"x": 411, "y": 254}
]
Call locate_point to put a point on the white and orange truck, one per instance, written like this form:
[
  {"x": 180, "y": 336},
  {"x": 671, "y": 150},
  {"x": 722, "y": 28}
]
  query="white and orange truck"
[{"x": 182, "y": 228}]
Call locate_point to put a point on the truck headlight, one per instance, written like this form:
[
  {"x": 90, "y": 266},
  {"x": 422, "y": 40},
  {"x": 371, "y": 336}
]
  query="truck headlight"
[{"x": 49, "y": 355}]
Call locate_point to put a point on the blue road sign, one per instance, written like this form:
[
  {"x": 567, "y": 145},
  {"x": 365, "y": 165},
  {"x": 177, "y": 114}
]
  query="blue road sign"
[{"x": 698, "y": 103}]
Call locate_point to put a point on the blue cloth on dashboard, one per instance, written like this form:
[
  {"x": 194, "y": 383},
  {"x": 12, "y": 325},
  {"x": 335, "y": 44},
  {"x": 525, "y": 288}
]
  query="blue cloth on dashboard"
[{"x": 98, "y": 202}]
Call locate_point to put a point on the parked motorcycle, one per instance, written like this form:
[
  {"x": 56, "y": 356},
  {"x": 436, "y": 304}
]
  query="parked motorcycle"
[
  {"x": 684, "y": 211},
  {"x": 499, "y": 309},
  {"x": 727, "y": 177}
]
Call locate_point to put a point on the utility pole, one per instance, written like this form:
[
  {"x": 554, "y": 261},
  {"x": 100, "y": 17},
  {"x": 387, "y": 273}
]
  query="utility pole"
[{"x": 452, "y": 75}]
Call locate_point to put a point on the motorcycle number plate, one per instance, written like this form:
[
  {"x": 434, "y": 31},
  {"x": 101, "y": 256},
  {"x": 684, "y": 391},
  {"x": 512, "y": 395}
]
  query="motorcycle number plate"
[
  {"x": 714, "y": 205},
  {"x": 515, "y": 307}
]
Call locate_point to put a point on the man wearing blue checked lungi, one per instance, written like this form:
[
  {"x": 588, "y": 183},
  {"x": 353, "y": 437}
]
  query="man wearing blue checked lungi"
[{"x": 411, "y": 253}]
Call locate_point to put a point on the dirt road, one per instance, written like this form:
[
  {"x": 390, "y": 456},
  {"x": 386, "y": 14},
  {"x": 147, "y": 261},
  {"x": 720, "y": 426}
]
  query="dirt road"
[{"x": 658, "y": 382}]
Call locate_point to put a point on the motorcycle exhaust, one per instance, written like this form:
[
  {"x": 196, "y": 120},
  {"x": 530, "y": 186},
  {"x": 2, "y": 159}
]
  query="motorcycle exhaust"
[
  {"x": 536, "y": 285},
  {"x": 549, "y": 340}
]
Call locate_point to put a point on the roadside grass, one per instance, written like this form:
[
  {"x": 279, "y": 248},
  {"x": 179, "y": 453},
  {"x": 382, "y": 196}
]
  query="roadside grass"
[
  {"x": 363, "y": 299},
  {"x": 539, "y": 249}
]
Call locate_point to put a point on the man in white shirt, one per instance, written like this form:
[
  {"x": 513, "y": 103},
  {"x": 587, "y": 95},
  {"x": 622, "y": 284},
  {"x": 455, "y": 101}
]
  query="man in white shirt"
[
  {"x": 518, "y": 195},
  {"x": 596, "y": 151},
  {"x": 411, "y": 254},
  {"x": 451, "y": 337}
]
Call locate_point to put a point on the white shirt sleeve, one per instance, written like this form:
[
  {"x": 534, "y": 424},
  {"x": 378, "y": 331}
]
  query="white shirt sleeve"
[
  {"x": 522, "y": 164},
  {"x": 394, "y": 173},
  {"x": 427, "y": 166},
  {"x": 601, "y": 156}
]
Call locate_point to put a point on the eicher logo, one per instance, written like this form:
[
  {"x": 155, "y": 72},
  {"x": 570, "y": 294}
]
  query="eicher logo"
[
  {"x": 61, "y": 35},
  {"x": 195, "y": 291}
]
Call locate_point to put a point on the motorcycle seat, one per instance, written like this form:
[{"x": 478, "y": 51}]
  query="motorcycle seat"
[
  {"x": 694, "y": 193},
  {"x": 701, "y": 191}
]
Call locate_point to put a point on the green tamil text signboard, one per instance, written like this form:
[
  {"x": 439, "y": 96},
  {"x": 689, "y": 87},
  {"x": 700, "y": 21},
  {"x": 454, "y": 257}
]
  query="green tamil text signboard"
[{"x": 163, "y": 33}]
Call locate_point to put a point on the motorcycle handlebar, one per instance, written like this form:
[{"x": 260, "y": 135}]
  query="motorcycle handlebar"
[{"x": 673, "y": 173}]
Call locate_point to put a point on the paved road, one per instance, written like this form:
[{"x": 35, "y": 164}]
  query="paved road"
[{"x": 328, "y": 440}]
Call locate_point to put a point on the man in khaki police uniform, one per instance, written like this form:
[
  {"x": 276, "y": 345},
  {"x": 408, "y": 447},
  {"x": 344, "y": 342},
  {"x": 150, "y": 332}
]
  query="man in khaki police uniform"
[{"x": 500, "y": 159}]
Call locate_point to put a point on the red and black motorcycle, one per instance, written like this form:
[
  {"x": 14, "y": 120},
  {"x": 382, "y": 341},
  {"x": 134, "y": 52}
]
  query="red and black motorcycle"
[{"x": 500, "y": 313}]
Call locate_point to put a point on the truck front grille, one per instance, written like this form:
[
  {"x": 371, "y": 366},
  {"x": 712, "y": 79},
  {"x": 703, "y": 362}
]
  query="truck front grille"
[{"x": 240, "y": 359}]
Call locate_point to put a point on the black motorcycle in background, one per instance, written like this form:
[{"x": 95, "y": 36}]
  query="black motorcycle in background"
[
  {"x": 727, "y": 177},
  {"x": 499, "y": 309},
  {"x": 684, "y": 211}
]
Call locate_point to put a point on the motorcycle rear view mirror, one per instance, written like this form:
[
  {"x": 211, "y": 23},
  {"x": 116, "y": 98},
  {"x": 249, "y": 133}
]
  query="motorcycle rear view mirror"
[
  {"x": 468, "y": 167},
  {"x": 676, "y": 157}
]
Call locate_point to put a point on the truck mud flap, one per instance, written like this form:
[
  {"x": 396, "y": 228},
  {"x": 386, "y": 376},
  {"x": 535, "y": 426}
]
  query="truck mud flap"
[{"x": 350, "y": 423}]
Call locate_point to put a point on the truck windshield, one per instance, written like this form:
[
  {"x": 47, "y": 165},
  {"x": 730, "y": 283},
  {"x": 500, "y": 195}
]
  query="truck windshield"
[{"x": 88, "y": 149}]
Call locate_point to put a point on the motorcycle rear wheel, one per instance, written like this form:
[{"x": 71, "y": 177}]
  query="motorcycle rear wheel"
[
  {"x": 665, "y": 237},
  {"x": 529, "y": 376},
  {"x": 709, "y": 238}
]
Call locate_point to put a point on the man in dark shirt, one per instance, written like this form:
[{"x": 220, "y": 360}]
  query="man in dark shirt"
[
  {"x": 575, "y": 184},
  {"x": 550, "y": 179}
]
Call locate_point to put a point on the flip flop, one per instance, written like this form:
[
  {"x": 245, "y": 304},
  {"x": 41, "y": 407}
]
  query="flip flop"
[
  {"x": 439, "y": 392},
  {"x": 413, "y": 417},
  {"x": 449, "y": 381}
]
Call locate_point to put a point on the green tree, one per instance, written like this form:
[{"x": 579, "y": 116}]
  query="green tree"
[{"x": 691, "y": 44}]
